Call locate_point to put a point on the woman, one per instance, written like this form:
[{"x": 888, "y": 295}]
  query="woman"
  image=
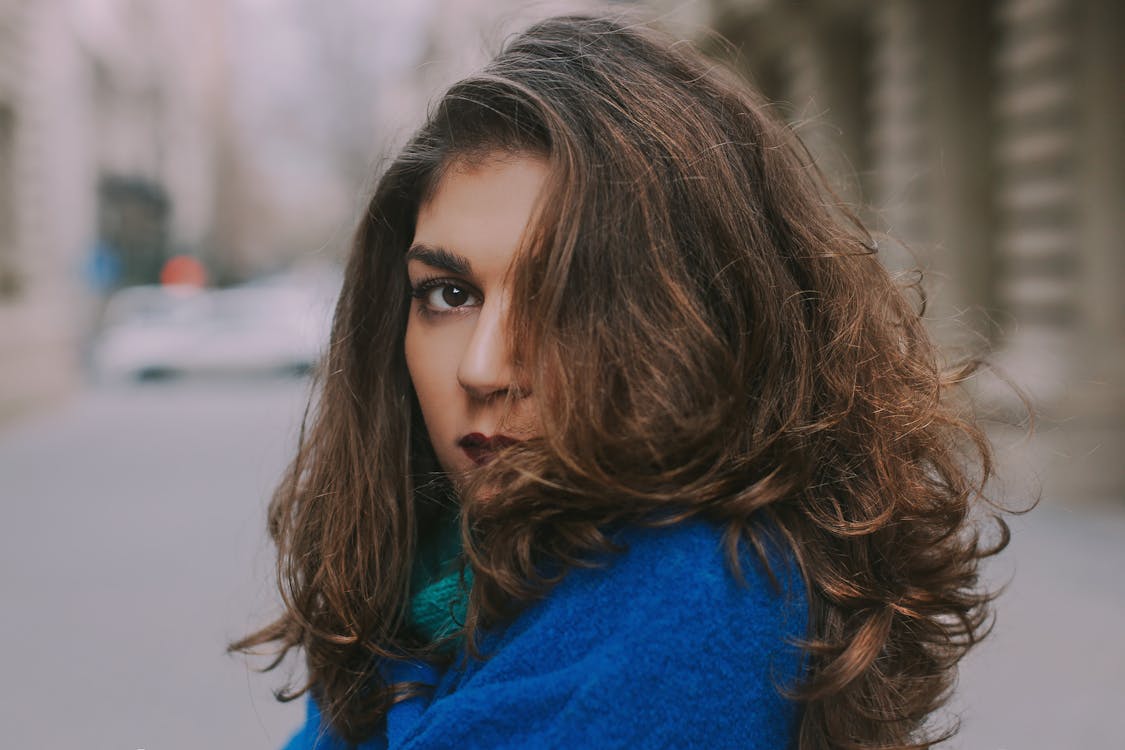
[{"x": 626, "y": 438}]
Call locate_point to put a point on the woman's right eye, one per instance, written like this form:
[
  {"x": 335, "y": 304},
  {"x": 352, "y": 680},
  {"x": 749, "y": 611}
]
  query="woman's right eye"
[{"x": 442, "y": 295}]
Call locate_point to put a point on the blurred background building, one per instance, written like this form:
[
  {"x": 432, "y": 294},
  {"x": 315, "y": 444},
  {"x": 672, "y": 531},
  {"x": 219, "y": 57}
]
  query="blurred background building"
[
  {"x": 987, "y": 137},
  {"x": 109, "y": 128},
  {"x": 983, "y": 135}
]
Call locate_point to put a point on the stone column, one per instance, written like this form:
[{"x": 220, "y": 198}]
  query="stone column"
[
  {"x": 959, "y": 124},
  {"x": 1102, "y": 200},
  {"x": 1097, "y": 397},
  {"x": 822, "y": 65},
  {"x": 1036, "y": 194},
  {"x": 1059, "y": 154},
  {"x": 49, "y": 203},
  {"x": 898, "y": 139}
]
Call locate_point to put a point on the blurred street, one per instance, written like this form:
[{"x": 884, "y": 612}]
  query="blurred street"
[
  {"x": 127, "y": 567},
  {"x": 133, "y": 549},
  {"x": 1052, "y": 674}
]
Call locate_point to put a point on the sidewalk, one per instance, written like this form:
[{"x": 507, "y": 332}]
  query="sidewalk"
[{"x": 1052, "y": 674}]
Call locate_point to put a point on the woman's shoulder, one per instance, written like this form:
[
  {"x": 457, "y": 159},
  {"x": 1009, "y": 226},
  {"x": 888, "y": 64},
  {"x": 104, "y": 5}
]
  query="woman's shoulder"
[
  {"x": 658, "y": 646},
  {"x": 670, "y": 589},
  {"x": 690, "y": 558},
  {"x": 683, "y": 572}
]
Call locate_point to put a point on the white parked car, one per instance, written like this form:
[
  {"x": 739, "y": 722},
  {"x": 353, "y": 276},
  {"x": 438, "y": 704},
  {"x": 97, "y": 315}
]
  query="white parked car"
[{"x": 272, "y": 326}]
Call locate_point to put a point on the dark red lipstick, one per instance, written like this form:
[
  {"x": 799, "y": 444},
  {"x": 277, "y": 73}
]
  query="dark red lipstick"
[{"x": 481, "y": 448}]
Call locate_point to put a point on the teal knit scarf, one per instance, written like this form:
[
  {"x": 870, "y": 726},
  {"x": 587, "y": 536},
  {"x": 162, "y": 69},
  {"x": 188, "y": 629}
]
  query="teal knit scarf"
[{"x": 437, "y": 600}]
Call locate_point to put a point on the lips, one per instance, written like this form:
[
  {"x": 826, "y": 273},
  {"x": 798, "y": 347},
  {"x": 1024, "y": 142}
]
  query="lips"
[{"x": 482, "y": 448}]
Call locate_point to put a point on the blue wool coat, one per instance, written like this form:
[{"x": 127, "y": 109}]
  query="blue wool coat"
[{"x": 661, "y": 648}]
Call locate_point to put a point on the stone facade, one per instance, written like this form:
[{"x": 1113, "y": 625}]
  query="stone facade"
[{"x": 986, "y": 138}]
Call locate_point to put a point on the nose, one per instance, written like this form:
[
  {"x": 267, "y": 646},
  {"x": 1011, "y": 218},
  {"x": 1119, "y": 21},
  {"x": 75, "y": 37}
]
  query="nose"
[{"x": 486, "y": 369}]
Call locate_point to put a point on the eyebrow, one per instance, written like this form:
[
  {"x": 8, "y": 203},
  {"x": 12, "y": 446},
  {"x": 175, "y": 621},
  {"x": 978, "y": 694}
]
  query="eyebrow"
[{"x": 439, "y": 257}]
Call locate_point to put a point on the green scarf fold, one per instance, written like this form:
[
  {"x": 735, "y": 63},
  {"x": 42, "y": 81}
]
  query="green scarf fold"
[{"x": 438, "y": 602}]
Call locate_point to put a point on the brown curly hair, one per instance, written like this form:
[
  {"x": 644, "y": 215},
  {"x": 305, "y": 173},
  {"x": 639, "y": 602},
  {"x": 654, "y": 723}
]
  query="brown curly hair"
[{"x": 708, "y": 333}]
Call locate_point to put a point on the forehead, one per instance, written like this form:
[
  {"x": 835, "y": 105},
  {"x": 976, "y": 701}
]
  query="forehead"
[{"x": 479, "y": 209}]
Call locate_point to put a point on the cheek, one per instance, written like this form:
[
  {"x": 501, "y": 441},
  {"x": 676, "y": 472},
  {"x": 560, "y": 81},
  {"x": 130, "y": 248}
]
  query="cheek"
[
  {"x": 432, "y": 354},
  {"x": 431, "y": 360}
]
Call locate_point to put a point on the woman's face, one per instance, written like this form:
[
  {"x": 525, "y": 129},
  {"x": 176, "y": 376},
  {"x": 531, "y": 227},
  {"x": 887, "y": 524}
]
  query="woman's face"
[{"x": 473, "y": 401}]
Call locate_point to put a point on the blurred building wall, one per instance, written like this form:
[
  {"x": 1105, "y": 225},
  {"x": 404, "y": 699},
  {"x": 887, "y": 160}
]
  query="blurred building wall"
[
  {"x": 243, "y": 132},
  {"x": 92, "y": 93},
  {"x": 46, "y": 207},
  {"x": 986, "y": 136}
]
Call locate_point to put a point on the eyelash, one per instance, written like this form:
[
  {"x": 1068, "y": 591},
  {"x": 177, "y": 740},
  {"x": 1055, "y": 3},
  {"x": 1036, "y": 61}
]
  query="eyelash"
[{"x": 422, "y": 289}]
